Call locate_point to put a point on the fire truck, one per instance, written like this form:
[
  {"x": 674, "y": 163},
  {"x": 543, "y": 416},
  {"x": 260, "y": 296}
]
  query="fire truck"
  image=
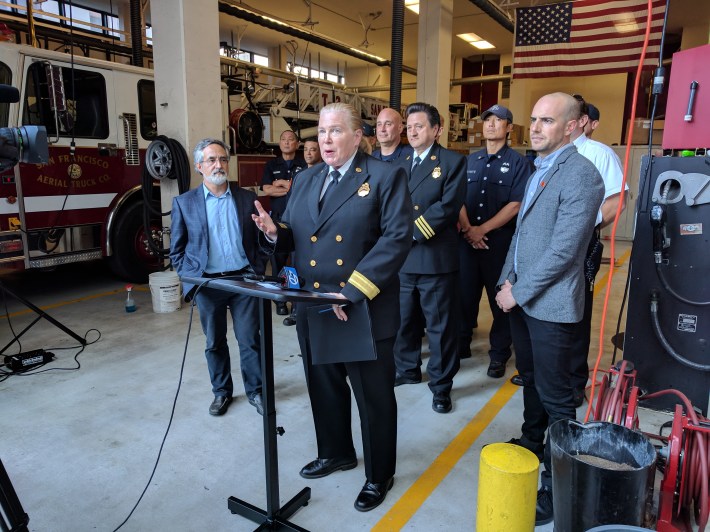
[
  {"x": 106, "y": 159},
  {"x": 85, "y": 202}
]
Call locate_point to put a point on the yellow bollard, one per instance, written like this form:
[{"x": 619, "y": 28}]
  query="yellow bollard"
[{"x": 507, "y": 489}]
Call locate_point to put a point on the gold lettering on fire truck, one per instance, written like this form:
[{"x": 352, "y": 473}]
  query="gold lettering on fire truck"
[{"x": 52, "y": 182}]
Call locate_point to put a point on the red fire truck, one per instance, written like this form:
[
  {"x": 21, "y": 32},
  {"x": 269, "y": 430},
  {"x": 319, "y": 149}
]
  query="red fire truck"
[{"x": 86, "y": 201}]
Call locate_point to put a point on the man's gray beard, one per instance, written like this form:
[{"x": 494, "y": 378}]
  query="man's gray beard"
[{"x": 217, "y": 179}]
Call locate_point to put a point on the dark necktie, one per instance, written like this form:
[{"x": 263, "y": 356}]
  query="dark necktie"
[
  {"x": 334, "y": 178},
  {"x": 417, "y": 160}
]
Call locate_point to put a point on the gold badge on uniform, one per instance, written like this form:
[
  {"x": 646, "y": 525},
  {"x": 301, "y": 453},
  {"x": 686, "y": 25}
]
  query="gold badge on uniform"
[
  {"x": 364, "y": 190},
  {"x": 436, "y": 173}
]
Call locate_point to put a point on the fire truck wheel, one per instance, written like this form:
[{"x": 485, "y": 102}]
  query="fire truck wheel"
[{"x": 131, "y": 259}]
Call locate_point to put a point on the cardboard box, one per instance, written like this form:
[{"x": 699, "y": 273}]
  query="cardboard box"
[
  {"x": 517, "y": 135},
  {"x": 641, "y": 129},
  {"x": 475, "y": 139},
  {"x": 475, "y": 125}
]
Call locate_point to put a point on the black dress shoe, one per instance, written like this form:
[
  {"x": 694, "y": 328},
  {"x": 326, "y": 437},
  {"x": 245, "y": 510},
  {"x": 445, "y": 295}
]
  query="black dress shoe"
[
  {"x": 441, "y": 404},
  {"x": 543, "y": 509},
  {"x": 220, "y": 405},
  {"x": 290, "y": 321},
  {"x": 256, "y": 401},
  {"x": 578, "y": 394},
  {"x": 537, "y": 450},
  {"x": 322, "y": 467},
  {"x": 496, "y": 369},
  {"x": 517, "y": 380},
  {"x": 400, "y": 379},
  {"x": 281, "y": 309},
  {"x": 372, "y": 494}
]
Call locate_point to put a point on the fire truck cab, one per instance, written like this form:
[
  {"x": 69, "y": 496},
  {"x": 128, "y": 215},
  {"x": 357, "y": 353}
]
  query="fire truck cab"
[{"x": 86, "y": 202}]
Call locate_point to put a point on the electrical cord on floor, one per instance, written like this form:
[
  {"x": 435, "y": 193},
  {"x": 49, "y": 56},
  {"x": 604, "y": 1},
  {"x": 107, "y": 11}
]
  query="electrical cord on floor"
[
  {"x": 35, "y": 370},
  {"x": 172, "y": 411}
]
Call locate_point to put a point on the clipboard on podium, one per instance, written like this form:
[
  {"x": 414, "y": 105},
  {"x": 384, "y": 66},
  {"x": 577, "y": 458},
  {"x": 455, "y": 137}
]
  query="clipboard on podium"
[{"x": 334, "y": 341}]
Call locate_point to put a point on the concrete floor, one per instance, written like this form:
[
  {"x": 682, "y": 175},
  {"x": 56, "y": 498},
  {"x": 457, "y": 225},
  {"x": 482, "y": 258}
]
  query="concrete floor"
[{"x": 79, "y": 446}]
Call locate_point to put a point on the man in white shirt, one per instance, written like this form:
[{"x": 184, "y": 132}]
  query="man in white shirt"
[{"x": 609, "y": 166}]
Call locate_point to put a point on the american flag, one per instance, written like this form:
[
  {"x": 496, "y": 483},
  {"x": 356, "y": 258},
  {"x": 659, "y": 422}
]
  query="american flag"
[{"x": 586, "y": 37}]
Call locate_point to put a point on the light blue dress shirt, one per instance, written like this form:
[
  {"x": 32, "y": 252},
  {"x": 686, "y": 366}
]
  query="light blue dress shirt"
[{"x": 225, "y": 250}]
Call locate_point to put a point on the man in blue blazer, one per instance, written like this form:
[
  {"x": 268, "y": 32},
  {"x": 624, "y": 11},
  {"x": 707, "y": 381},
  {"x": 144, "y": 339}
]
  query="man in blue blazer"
[
  {"x": 429, "y": 277},
  {"x": 212, "y": 235},
  {"x": 542, "y": 281}
]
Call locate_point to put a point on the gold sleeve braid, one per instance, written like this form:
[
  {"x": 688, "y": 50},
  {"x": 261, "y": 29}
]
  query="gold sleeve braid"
[
  {"x": 363, "y": 284},
  {"x": 424, "y": 227}
]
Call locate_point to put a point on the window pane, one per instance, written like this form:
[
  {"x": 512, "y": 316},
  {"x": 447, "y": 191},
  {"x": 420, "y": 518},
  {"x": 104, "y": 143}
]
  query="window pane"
[
  {"x": 5, "y": 79},
  {"x": 148, "y": 117},
  {"x": 87, "y": 113},
  {"x": 261, "y": 60}
]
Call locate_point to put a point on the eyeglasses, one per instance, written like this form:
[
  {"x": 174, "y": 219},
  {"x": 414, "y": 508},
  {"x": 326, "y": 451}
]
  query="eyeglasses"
[{"x": 213, "y": 160}]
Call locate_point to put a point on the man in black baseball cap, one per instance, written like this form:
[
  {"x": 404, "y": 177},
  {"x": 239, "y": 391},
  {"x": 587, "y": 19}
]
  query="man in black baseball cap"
[
  {"x": 498, "y": 110},
  {"x": 495, "y": 184}
]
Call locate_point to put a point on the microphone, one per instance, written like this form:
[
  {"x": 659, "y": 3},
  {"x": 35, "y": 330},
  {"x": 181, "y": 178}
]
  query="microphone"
[
  {"x": 287, "y": 278},
  {"x": 290, "y": 279}
]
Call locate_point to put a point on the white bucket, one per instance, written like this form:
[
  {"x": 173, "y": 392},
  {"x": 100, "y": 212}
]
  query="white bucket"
[{"x": 166, "y": 289}]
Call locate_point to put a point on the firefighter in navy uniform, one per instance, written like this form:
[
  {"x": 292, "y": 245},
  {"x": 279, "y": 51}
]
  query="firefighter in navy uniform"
[
  {"x": 276, "y": 183},
  {"x": 429, "y": 277},
  {"x": 350, "y": 223},
  {"x": 496, "y": 178}
]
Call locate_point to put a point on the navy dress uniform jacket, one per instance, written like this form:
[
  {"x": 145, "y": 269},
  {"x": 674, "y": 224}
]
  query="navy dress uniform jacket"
[
  {"x": 438, "y": 190},
  {"x": 357, "y": 243}
]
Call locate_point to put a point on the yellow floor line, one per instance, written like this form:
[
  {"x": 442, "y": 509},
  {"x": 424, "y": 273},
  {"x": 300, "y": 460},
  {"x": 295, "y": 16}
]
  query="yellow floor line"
[
  {"x": 72, "y": 301},
  {"x": 414, "y": 497}
]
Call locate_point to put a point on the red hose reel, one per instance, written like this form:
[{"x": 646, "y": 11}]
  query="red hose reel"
[{"x": 684, "y": 496}]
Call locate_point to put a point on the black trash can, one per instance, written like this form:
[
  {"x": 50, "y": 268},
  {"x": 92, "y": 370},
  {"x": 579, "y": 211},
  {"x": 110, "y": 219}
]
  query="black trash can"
[{"x": 602, "y": 474}]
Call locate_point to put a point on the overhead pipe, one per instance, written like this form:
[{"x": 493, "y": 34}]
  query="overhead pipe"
[
  {"x": 240, "y": 12},
  {"x": 452, "y": 83},
  {"x": 396, "y": 54},
  {"x": 136, "y": 32},
  {"x": 493, "y": 11}
]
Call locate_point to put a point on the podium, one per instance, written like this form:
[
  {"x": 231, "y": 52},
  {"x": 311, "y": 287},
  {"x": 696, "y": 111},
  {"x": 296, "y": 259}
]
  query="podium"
[{"x": 275, "y": 517}]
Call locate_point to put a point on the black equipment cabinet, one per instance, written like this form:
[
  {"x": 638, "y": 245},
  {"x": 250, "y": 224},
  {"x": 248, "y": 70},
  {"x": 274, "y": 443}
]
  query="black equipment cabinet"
[{"x": 668, "y": 319}]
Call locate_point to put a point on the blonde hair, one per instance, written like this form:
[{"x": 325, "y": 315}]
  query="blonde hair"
[{"x": 352, "y": 118}]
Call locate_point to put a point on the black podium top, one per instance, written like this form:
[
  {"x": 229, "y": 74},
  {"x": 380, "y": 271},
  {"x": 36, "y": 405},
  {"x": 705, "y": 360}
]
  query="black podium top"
[{"x": 262, "y": 290}]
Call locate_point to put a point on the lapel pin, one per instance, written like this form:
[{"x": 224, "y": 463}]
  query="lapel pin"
[
  {"x": 358, "y": 169},
  {"x": 364, "y": 190},
  {"x": 433, "y": 157}
]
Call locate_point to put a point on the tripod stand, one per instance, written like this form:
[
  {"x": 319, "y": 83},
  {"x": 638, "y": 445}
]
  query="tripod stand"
[
  {"x": 13, "y": 517},
  {"x": 40, "y": 314}
]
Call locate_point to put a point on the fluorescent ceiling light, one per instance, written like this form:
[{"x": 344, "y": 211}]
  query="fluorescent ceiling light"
[
  {"x": 412, "y": 5},
  {"x": 475, "y": 40}
]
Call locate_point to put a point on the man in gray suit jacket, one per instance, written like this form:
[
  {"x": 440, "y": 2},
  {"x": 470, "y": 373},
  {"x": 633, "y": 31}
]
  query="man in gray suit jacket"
[
  {"x": 542, "y": 281},
  {"x": 212, "y": 235}
]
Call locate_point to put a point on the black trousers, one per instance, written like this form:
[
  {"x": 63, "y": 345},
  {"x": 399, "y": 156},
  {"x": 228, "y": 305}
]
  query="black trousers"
[
  {"x": 435, "y": 295},
  {"x": 542, "y": 360},
  {"x": 480, "y": 268},
  {"x": 373, "y": 386}
]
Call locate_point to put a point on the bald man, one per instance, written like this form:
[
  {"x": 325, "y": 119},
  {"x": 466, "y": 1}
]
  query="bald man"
[
  {"x": 542, "y": 281},
  {"x": 389, "y": 129}
]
